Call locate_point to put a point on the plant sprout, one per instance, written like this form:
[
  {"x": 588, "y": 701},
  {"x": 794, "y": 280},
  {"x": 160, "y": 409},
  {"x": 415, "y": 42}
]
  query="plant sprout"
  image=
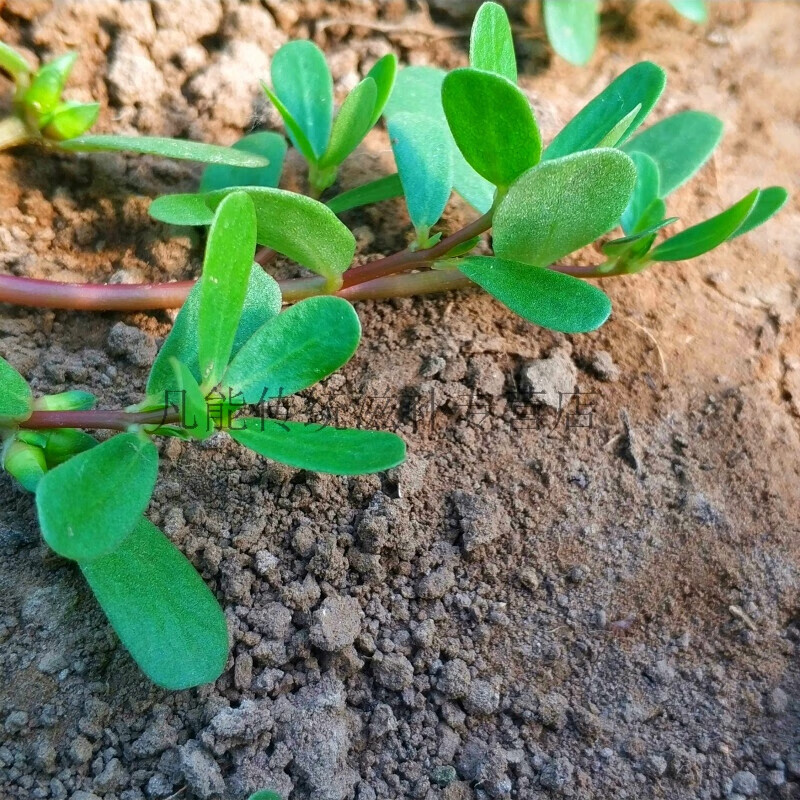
[
  {"x": 41, "y": 116},
  {"x": 229, "y": 352}
]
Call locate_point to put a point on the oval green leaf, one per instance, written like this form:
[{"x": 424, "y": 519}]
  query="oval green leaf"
[
  {"x": 70, "y": 119},
  {"x": 338, "y": 451},
  {"x": 269, "y": 145},
  {"x": 572, "y": 27},
  {"x": 12, "y": 62},
  {"x": 352, "y": 123},
  {"x": 161, "y": 610},
  {"x": 491, "y": 45},
  {"x": 492, "y": 124},
  {"x": 90, "y": 503},
  {"x": 375, "y": 191},
  {"x": 645, "y": 193},
  {"x": 295, "y": 350},
  {"x": 63, "y": 443},
  {"x": 542, "y": 296},
  {"x": 561, "y": 205},
  {"x": 770, "y": 201},
  {"x": 293, "y": 129},
  {"x": 48, "y": 83},
  {"x": 25, "y": 463},
  {"x": 694, "y": 10},
  {"x": 181, "y": 209},
  {"x": 383, "y": 72},
  {"x": 195, "y": 418},
  {"x": 16, "y": 399},
  {"x": 679, "y": 145}
]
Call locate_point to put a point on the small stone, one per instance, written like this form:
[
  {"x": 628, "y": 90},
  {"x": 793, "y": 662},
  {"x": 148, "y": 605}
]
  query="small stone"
[
  {"x": 394, "y": 672},
  {"x": 432, "y": 366},
  {"x": 443, "y": 776},
  {"x": 577, "y": 574},
  {"x": 336, "y": 624},
  {"x": 660, "y": 672},
  {"x": 529, "y": 578},
  {"x": 111, "y": 778},
  {"x": 16, "y": 721},
  {"x": 556, "y": 774},
  {"x": 745, "y": 783},
  {"x": 243, "y": 671},
  {"x": 485, "y": 376},
  {"x": 132, "y": 76},
  {"x": 546, "y": 381},
  {"x": 776, "y": 777},
  {"x": 424, "y": 634},
  {"x": 156, "y": 737},
  {"x": 136, "y": 345},
  {"x": 81, "y": 750},
  {"x": 553, "y": 711},
  {"x": 454, "y": 679},
  {"x": 603, "y": 366},
  {"x": 655, "y": 766},
  {"x": 482, "y": 699},
  {"x": 81, "y": 795},
  {"x": 382, "y": 721},
  {"x": 201, "y": 772},
  {"x": 777, "y": 702},
  {"x": 435, "y": 584}
]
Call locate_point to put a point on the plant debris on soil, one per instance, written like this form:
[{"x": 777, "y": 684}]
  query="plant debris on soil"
[{"x": 583, "y": 582}]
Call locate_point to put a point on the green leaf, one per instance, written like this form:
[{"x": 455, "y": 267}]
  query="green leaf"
[
  {"x": 265, "y": 794},
  {"x": 572, "y": 27},
  {"x": 633, "y": 244},
  {"x": 769, "y": 202},
  {"x": 423, "y": 154},
  {"x": 352, "y": 123},
  {"x": 293, "y": 129},
  {"x": 226, "y": 272},
  {"x": 492, "y": 124},
  {"x": 694, "y": 10},
  {"x": 679, "y": 145},
  {"x": 89, "y": 504},
  {"x": 339, "y": 451},
  {"x": 16, "y": 399},
  {"x": 73, "y": 400},
  {"x": 303, "y": 83},
  {"x": 303, "y": 229},
  {"x": 170, "y": 148},
  {"x": 491, "y": 46},
  {"x": 561, "y": 205},
  {"x": 181, "y": 209},
  {"x": 272, "y": 146},
  {"x": 25, "y": 463},
  {"x": 70, "y": 119},
  {"x": 195, "y": 419},
  {"x": 295, "y": 350},
  {"x": 644, "y": 194},
  {"x": 640, "y": 85},
  {"x": 474, "y": 188},
  {"x": 701, "y": 238},
  {"x": 262, "y": 303},
  {"x": 542, "y": 296},
  {"x": 373, "y": 192},
  {"x": 383, "y": 72},
  {"x": 161, "y": 610},
  {"x": 615, "y": 135},
  {"x": 12, "y": 62},
  {"x": 48, "y": 83},
  {"x": 62, "y": 444}
]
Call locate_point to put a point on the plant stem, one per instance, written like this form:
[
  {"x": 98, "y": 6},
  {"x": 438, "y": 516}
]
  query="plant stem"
[
  {"x": 427, "y": 282},
  {"x": 13, "y": 131},
  {"x": 113, "y": 420}
]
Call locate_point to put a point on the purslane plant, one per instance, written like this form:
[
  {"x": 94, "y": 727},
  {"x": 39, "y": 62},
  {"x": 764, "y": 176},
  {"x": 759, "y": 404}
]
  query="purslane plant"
[
  {"x": 471, "y": 131},
  {"x": 229, "y": 353},
  {"x": 41, "y": 116}
]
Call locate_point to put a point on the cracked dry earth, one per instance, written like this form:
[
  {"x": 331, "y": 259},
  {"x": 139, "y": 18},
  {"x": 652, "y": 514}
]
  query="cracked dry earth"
[{"x": 596, "y": 601}]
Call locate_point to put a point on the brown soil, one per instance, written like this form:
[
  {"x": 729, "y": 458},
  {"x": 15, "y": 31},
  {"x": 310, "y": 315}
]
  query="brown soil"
[{"x": 587, "y": 605}]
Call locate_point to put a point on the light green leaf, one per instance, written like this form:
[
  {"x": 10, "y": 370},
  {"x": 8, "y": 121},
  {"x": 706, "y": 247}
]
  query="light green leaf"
[
  {"x": 295, "y": 350},
  {"x": 25, "y": 463},
  {"x": 694, "y": 10},
  {"x": 161, "y": 610},
  {"x": 561, "y": 205},
  {"x": 319, "y": 448},
  {"x": 645, "y": 193},
  {"x": 170, "y": 148},
  {"x": 303, "y": 229},
  {"x": 226, "y": 272},
  {"x": 616, "y": 134},
  {"x": 572, "y": 27},
  {"x": 770, "y": 201},
  {"x": 73, "y": 400},
  {"x": 640, "y": 85},
  {"x": 474, "y": 188},
  {"x": 262, "y": 303},
  {"x": 265, "y": 794},
  {"x": 293, "y": 129},
  {"x": 181, "y": 209},
  {"x": 16, "y": 399},
  {"x": 679, "y": 145},
  {"x": 70, "y": 119},
  {"x": 373, "y": 192},
  {"x": 701, "y": 238},
  {"x": 62, "y": 444},
  {"x": 272, "y": 146},
  {"x": 492, "y": 124},
  {"x": 633, "y": 243},
  {"x": 90, "y": 503},
  {"x": 383, "y": 72},
  {"x": 302, "y": 81},
  {"x": 491, "y": 46},
  {"x": 352, "y": 123},
  {"x": 12, "y": 62},
  {"x": 195, "y": 419},
  {"x": 422, "y": 150},
  {"x": 542, "y": 296},
  {"x": 48, "y": 83}
]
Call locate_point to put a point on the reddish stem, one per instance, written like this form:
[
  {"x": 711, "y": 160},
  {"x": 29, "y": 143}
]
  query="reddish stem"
[{"x": 113, "y": 420}]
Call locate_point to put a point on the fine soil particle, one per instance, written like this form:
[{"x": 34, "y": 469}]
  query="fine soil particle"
[{"x": 584, "y": 581}]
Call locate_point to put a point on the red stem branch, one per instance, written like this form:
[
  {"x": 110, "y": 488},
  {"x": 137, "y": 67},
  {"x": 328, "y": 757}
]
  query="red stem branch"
[{"x": 113, "y": 420}]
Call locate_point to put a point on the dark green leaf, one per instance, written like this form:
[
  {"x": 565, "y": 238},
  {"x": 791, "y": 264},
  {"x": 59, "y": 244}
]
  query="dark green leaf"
[
  {"x": 295, "y": 350},
  {"x": 161, "y": 610},
  {"x": 16, "y": 399},
  {"x": 70, "y": 119},
  {"x": 383, "y": 72},
  {"x": 25, "y": 463},
  {"x": 423, "y": 154},
  {"x": 48, "y": 83},
  {"x": 617, "y": 133},
  {"x": 181, "y": 209},
  {"x": 679, "y": 145},
  {"x": 195, "y": 419},
  {"x": 226, "y": 271},
  {"x": 262, "y": 302},
  {"x": 492, "y": 124},
  {"x": 271, "y": 146},
  {"x": 296, "y": 133},
  {"x": 170, "y": 148},
  {"x": 491, "y": 46},
  {"x": 12, "y": 62},
  {"x": 645, "y": 193},
  {"x": 373, "y": 192},
  {"x": 302, "y": 81},
  {"x": 265, "y": 794},
  {"x": 769, "y": 202},
  {"x": 90, "y": 503},
  {"x": 632, "y": 243},
  {"x": 62, "y": 444},
  {"x": 561, "y": 205},
  {"x": 640, "y": 85},
  {"x": 695, "y": 10},
  {"x": 547, "y": 298},
  {"x": 701, "y": 238},
  {"x": 320, "y": 448},
  {"x": 352, "y": 123},
  {"x": 572, "y": 27},
  {"x": 301, "y": 228}
]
